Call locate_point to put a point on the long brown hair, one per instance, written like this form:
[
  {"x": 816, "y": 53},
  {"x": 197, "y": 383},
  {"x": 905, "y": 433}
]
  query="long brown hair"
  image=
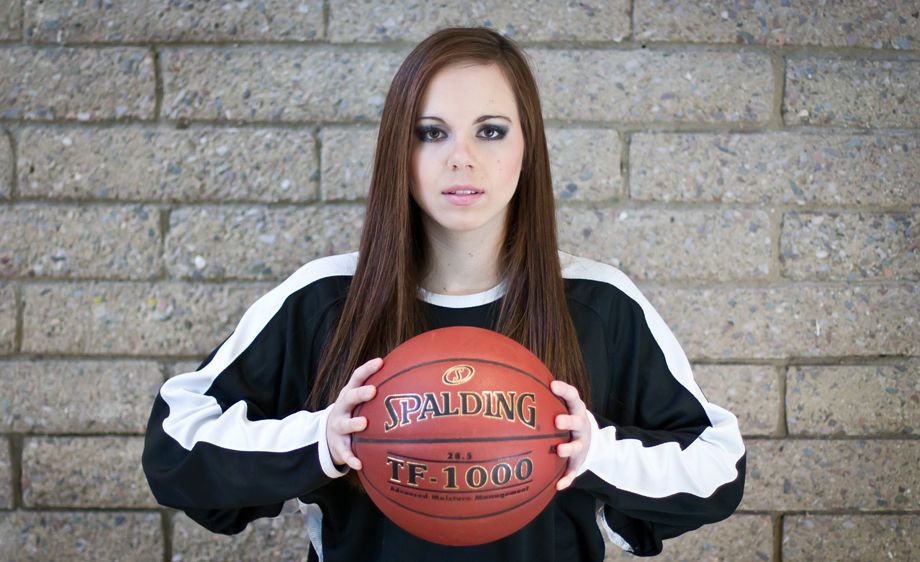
[{"x": 382, "y": 308}]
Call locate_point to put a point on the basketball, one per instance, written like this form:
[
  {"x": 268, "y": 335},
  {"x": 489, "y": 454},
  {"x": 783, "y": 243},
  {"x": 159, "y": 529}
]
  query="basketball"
[{"x": 460, "y": 444}]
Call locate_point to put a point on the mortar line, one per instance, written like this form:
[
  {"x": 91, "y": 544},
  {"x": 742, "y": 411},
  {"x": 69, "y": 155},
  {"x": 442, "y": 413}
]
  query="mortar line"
[{"x": 777, "y": 522}]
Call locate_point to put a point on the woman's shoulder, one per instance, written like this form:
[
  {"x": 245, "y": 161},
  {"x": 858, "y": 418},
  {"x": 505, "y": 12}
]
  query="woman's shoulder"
[
  {"x": 336, "y": 265},
  {"x": 578, "y": 267},
  {"x": 324, "y": 279},
  {"x": 601, "y": 286}
]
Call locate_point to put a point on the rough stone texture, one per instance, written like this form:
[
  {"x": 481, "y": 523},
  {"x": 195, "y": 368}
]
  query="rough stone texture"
[
  {"x": 77, "y": 396},
  {"x": 666, "y": 244},
  {"x": 854, "y": 399},
  {"x": 585, "y": 164},
  {"x": 751, "y": 392},
  {"x": 276, "y": 83},
  {"x": 6, "y": 476},
  {"x": 10, "y": 16},
  {"x": 885, "y": 24},
  {"x": 84, "y": 472},
  {"x": 792, "y": 475},
  {"x": 255, "y": 242},
  {"x": 643, "y": 86},
  {"x": 281, "y": 538},
  {"x": 851, "y": 537},
  {"x": 7, "y": 318},
  {"x": 740, "y": 537},
  {"x": 522, "y": 20},
  {"x": 272, "y": 20},
  {"x": 184, "y": 367},
  {"x": 6, "y": 167},
  {"x": 79, "y": 242},
  {"x": 347, "y": 162},
  {"x": 79, "y": 84},
  {"x": 162, "y": 164},
  {"x": 853, "y": 93},
  {"x": 80, "y": 536},
  {"x": 775, "y": 168},
  {"x": 795, "y": 321},
  {"x": 850, "y": 246},
  {"x": 132, "y": 318}
]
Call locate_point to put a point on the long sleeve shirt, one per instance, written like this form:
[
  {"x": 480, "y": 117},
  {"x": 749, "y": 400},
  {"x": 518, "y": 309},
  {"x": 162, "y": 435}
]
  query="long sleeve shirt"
[{"x": 231, "y": 441}]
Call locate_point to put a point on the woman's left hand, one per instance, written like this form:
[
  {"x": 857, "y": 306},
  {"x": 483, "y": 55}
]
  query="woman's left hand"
[{"x": 577, "y": 422}]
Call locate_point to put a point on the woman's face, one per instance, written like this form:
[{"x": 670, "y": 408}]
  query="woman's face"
[{"x": 468, "y": 138}]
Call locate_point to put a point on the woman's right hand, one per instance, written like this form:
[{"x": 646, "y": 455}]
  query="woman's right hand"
[{"x": 340, "y": 425}]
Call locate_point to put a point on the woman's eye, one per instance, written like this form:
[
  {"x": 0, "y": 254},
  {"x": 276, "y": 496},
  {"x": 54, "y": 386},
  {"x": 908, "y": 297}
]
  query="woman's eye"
[
  {"x": 429, "y": 134},
  {"x": 492, "y": 132}
]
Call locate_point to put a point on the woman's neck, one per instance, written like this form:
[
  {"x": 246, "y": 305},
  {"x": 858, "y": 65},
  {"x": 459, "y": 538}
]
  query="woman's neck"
[{"x": 462, "y": 264}]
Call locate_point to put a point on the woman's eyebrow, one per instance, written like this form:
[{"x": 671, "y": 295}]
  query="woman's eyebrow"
[{"x": 479, "y": 120}]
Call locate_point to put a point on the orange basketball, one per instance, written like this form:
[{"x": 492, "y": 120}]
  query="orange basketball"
[{"x": 460, "y": 446}]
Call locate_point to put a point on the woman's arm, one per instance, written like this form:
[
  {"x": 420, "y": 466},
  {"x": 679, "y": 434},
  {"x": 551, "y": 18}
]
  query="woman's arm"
[
  {"x": 661, "y": 458},
  {"x": 230, "y": 441}
]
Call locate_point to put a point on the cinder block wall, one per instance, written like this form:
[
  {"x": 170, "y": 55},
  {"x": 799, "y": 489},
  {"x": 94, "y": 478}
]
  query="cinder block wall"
[{"x": 753, "y": 165}]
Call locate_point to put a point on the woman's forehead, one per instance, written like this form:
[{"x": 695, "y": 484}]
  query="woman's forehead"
[{"x": 468, "y": 90}]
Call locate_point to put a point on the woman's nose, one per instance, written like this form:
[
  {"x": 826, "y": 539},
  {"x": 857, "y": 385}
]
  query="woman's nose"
[{"x": 460, "y": 156}]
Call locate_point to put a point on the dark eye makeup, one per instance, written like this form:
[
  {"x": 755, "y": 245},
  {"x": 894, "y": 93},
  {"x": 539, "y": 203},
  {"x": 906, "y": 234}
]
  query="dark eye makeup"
[{"x": 432, "y": 133}]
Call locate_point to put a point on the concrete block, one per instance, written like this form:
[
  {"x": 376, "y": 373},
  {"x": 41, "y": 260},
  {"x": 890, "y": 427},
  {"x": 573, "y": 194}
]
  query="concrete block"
[
  {"x": 852, "y": 93},
  {"x": 282, "y": 538},
  {"x": 84, "y": 472},
  {"x": 59, "y": 21},
  {"x": 792, "y": 321},
  {"x": 133, "y": 318},
  {"x": 585, "y": 163},
  {"x": 775, "y": 168},
  {"x": 77, "y": 84},
  {"x": 751, "y": 392},
  {"x": 6, "y": 476},
  {"x": 884, "y": 24},
  {"x": 10, "y": 18},
  {"x": 77, "y": 396},
  {"x": 405, "y": 20},
  {"x": 850, "y": 537},
  {"x": 277, "y": 83},
  {"x": 6, "y": 167},
  {"x": 161, "y": 164},
  {"x": 653, "y": 87},
  {"x": 8, "y": 313},
  {"x": 79, "y": 242},
  {"x": 854, "y": 399},
  {"x": 80, "y": 536},
  {"x": 347, "y": 162},
  {"x": 671, "y": 244},
  {"x": 255, "y": 242},
  {"x": 184, "y": 367},
  {"x": 740, "y": 537},
  {"x": 850, "y": 246},
  {"x": 816, "y": 475}
]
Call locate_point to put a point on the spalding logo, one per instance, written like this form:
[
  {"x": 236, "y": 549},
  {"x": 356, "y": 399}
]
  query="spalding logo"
[{"x": 458, "y": 374}]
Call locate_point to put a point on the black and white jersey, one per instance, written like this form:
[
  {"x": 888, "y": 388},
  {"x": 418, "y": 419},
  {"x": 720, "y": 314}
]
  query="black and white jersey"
[{"x": 231, "y": 441}]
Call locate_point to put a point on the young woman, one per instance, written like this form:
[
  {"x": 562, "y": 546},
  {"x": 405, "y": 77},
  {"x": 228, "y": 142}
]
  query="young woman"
[{"x": 459, "y": 230}]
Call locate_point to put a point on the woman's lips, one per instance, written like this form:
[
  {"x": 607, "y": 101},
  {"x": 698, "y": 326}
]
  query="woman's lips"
[
  {"x": 462, "y": 200},
  {"x": 462, "y": 195}
]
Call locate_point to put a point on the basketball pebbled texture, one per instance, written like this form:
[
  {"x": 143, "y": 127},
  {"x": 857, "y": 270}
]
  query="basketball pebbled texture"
[{"x": 460, "y": 445}]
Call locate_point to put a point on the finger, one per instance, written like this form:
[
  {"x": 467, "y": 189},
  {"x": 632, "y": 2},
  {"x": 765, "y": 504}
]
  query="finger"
[
  {"x": 567, "y": 450},
  {"x": 565, "y": 481},
  {"x": 353, "y": 462},
  {"x": 578, "y": 424},
  {"x": 363, "y": 372},
  {"x": 570, "y": 394},
  {"x": 351, "y": 397}
]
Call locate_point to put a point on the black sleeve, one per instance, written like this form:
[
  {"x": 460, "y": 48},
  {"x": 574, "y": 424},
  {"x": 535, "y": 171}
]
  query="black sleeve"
[
  {"x": 231, "y": 442},
  {"x": 662, "y": 459}
]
